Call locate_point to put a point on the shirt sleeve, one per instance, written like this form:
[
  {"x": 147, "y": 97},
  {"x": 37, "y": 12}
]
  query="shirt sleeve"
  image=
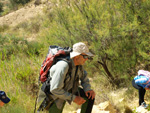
[
  {"x": 85, "y": 81},
  {"x": 58, "y": 73},
  {"x": 141, "y": 79}
]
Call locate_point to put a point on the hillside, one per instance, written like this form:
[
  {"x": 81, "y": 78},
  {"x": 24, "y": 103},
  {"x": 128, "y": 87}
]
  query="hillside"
[
  {"x": 26, "y": 13},
  {"x": 35, "y": 26}
]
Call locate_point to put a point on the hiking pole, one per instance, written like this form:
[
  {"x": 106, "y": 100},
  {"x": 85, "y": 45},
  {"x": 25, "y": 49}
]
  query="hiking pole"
[
  {"x": 36, "y": 97},
  {"x": 35, "y": 103}
]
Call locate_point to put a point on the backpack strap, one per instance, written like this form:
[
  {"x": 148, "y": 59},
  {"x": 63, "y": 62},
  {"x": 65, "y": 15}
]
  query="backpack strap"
[
  {"x": 68, "y": 60},
  {"x": 46, "y": 85},
  {"x": 46, "y": 103}
]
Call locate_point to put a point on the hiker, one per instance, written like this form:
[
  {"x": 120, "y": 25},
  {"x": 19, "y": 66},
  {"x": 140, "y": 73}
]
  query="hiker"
[
  {"x": 142, "y": 83},
  {"x": 64, "y": 86},
  {"x": 3, "y": 98}
]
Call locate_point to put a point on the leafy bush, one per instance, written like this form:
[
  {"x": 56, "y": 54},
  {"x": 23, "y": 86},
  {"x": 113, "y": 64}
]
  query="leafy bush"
[
  {"x": 31, "y": 26},
  {"x": 116, "y": 32},
  {"x": 11, "y": 45},
  {"x": 3, "y": 27},
  {"x": 1, "y": 8},
  {"x": 13, "y": 108},
  {"x": 19, "y": 1},
  {"x": 14, "y": 4}
]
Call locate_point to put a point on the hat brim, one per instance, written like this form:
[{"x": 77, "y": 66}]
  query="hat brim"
[
  {"x": 6, "y": 100},
  {"x": 73, "y": 54},
  {"x": 89, "y": 54}
]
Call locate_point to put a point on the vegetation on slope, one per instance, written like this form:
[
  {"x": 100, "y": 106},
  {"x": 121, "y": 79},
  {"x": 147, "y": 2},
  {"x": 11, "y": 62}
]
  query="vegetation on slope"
[{"x": 117, "y": 32}]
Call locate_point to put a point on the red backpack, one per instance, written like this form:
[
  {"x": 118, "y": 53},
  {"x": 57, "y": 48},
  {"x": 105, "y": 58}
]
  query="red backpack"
[{"x": 55, "y": 53}]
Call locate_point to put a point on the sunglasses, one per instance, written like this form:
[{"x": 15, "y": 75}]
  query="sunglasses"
[{"x": 84, "y": 56}]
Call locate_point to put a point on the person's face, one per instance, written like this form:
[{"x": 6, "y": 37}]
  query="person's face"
[
  {"x": 1, "y": 103},
  {"x": 80, "y": 59}
]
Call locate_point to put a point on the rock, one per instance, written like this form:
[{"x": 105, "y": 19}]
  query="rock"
[
  {"x": 141, "y": 109},
  {"x": 128, "y": 110},
  {"x": 107, "y": 106},
  {"x": 104, "y": 112},
  {"x": 96, "y": 109},
  {"x": 79, "y": 110},
  {"x": 121, "y": 100}
]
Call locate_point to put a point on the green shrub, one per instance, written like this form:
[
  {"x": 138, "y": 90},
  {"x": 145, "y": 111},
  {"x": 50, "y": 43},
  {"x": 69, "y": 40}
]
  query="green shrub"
[
  {"x": 33, "y": 48},
  {"x": 1, "y": 8},
  {"x": 11, "y": 45},
  {"x": 34, "y": 27},
  {"x": 14, "y": 4},
  {"x": 31, "y": 26},
  {"x": 3, "y": 27},
  {"x": 15, "y": 108},
  {"x": 117, "y": 34},
  {"x": 19, "y": 1}
]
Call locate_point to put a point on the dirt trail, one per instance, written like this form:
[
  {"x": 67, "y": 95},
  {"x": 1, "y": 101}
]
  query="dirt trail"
[{"x": 22, "y": 15}]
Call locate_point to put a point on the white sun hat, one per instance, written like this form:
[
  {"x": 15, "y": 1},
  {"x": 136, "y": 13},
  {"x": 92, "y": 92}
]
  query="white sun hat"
[{"x": 80, "y": 48}]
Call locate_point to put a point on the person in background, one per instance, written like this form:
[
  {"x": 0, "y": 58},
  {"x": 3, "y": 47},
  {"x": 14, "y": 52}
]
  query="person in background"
[
  {"x": 3, "y": 98},
  {"x": 142, "y": 83}
]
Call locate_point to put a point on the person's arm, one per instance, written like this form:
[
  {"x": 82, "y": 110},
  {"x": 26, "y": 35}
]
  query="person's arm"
[
  {"x": 141, "y": 80},
  {"x": 58, "y": 74},
  {"x": 147, "y": 87},
  {"x": 86, "y": 85},
  {"x": 85, "y": 81}
]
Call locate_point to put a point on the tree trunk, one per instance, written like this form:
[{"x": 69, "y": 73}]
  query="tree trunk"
[{"x": 110, "y": 77}]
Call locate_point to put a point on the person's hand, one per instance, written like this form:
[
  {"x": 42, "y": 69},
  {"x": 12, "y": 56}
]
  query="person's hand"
[
  {"x": 79, "y": 100},
  {"x": 90, "y": 94},
  {"x": 1, "y": 103},
  {"x": 147, "y": 89}
]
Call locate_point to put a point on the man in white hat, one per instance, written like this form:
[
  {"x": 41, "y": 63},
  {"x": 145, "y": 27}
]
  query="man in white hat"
[{"x": 64, "y": 86}]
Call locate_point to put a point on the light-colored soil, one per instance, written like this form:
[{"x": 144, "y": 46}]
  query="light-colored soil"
[{"x": 21, "y": 15}]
